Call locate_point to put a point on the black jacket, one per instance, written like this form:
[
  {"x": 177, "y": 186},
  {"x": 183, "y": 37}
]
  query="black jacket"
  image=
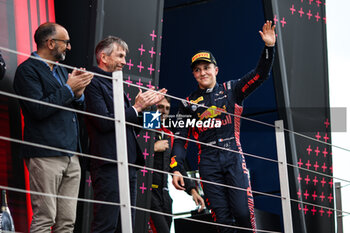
[
  {"x": 43, "y": 124},
  {"x": 99, "y": 100}
]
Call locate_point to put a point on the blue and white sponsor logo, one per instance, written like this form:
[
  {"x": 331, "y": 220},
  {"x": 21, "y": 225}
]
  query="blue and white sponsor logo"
[{"x": 151, "y": 120}]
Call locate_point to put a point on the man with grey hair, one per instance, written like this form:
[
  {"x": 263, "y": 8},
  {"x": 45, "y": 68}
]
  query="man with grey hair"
[
  {"x": 110, "y": 55},
  {"x": 51, "y": 171}
]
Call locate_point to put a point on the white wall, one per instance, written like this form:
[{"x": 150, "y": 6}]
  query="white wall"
[{"x": 338, "y": 36}]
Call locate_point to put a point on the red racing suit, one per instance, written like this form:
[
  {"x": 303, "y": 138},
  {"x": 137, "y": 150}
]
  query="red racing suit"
[{"x": 229, "y": 206}]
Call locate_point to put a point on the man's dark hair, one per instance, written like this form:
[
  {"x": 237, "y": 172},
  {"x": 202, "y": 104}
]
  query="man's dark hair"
[
  {"x": 168, "y": 99},
  {"x": 43, "y": 33},
  {"x": 106, "y": 45}
]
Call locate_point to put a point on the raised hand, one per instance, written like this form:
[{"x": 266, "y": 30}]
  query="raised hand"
[
  {"x": 148, "y": 98},
  {"x": 78, "y": 80},
  {"x": 268, "y": 34}
]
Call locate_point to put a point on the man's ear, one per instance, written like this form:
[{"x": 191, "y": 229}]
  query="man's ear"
[
  {"x": 216, "y": 70},
  {"x": 50, "y": 44},
  {"x": 103, "y": 58}
]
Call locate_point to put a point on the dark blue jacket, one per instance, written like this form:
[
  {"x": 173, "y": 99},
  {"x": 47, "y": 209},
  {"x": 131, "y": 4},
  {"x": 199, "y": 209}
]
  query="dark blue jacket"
[
  {"x": 99, "y": 100},
  {"x": 43, "y": 124}
]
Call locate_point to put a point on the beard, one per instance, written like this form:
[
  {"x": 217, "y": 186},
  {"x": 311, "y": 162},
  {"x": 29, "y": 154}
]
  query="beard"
[{"x": 59, "y": 56}]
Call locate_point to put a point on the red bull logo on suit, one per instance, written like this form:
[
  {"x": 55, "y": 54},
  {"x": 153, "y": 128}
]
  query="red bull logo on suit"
[{"x": 212, "y": 112}]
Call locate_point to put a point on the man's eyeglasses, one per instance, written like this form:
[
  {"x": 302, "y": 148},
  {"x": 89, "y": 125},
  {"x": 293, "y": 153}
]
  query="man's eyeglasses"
[{"x": 67, "y": 42}]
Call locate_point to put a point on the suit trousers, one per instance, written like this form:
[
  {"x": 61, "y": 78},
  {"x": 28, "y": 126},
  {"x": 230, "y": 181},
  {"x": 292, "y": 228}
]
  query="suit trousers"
[
  {"x": 106, "y": 188},
  {"x": 57, "y": 176}
]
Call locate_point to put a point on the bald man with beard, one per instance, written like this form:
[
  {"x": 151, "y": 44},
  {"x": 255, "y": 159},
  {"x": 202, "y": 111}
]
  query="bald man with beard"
[{"x": 52, "y": 172}]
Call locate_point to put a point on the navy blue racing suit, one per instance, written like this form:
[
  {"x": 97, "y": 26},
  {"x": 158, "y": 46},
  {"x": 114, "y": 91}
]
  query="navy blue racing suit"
[{"x": 229, "y": 206}]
